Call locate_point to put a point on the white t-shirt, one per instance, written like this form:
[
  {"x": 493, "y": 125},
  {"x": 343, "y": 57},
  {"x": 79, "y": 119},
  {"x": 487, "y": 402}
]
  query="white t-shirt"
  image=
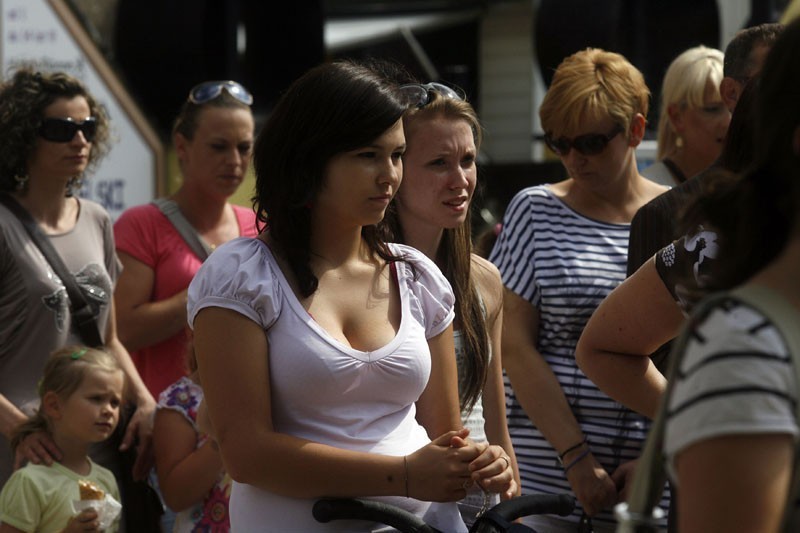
[
  {"x": 362, "y": 401},
  {"x": 736, "y": 377}
]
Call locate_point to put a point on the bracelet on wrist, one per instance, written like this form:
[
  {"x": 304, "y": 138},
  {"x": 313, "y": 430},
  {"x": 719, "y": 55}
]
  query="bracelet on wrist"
[
  {"x": 577, "y": 460},
  {"x": 572, "y": 448}
]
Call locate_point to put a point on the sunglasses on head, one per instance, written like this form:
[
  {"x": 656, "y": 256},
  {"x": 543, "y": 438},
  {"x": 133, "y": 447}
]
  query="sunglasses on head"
[
  {"x": 419, "y": 95},
  {"x": 589, "y": 144},
  {"x": 209, "y": 90},
  {"x": 63, "y": 130}
]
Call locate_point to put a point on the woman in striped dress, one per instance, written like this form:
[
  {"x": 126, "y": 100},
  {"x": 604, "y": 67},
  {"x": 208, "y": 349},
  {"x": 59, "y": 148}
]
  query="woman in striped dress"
[{"x": 563, "y": 248}]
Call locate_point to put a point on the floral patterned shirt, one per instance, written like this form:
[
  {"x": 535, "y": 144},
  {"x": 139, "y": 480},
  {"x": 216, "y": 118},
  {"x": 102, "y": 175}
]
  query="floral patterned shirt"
[{"x": 211, "y": 515}]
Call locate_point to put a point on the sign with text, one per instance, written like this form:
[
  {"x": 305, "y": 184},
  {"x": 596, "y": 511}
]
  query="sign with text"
[{"x": 46, "y": 36}]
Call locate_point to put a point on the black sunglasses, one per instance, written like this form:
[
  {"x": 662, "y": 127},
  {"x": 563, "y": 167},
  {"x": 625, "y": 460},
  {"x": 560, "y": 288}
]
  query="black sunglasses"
[
  {"x": 418, "y": 94},
  {"x": 63, "y": 130},
  {"x": 207, "y": 91},
  {"x": 589, "y": 144}
]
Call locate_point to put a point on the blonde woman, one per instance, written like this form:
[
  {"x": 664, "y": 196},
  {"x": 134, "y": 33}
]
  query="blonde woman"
[{"x": 693, "y": 120}]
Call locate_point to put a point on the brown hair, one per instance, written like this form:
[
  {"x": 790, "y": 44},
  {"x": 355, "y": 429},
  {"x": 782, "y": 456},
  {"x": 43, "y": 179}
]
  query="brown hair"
[
  {"x": 455, "y": 254},
  {"x": 23, "y": 100}
]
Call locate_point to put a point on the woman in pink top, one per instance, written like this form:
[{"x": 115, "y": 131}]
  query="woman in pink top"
[{"x": 213, "y": 136}]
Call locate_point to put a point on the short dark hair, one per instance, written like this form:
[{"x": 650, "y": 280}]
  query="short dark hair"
[
  {"x": 23, "y": 100},
  {"x": 333, "y": 108},
  {"x": 738, "y": 64}
]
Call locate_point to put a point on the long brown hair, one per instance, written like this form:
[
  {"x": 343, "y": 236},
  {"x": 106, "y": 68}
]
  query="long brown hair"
[{"x": 454, "y": 257}]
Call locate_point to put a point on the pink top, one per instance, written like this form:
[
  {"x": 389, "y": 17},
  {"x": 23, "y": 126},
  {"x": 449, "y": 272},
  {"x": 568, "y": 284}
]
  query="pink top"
[{"x": 144, "y": 233}]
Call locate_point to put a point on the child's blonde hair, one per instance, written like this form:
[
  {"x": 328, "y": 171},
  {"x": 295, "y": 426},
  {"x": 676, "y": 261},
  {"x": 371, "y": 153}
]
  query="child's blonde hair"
[{"x": 63, "y": 374}]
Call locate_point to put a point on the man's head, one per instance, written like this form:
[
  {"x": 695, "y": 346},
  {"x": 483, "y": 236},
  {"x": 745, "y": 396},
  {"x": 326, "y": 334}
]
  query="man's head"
[{"x": 744, "y": 57}]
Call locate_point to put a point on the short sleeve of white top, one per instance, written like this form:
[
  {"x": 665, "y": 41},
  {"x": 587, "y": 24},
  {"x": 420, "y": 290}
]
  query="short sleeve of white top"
[
  {"x": 322, "y": 389},
  {"x": 736, "y": 377}
]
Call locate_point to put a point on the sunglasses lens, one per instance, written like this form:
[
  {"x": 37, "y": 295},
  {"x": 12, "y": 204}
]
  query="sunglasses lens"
[
  {"x": 413, "y": 95},
  {"x": 445, "y": 91},
  {"x": 61, "y": 130},
  {"x": 559, "y": 146},
  {"x": 590, "y": 144},
  {"x": 89, "y": 129},
  {"x": 205, "y": 92}
]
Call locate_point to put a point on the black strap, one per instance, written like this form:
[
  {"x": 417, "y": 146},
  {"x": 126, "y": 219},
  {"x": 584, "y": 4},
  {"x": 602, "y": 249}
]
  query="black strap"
[
  {"x": 182, "y": 226},
  {"x": 82, "y": 315}
]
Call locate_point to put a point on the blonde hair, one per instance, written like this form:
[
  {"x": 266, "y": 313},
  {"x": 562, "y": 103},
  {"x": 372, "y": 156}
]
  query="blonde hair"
[
  {"x": 593, "y": 83},
  {"x": 685, "y": 85},
  {"x": 63, "y": 375}
]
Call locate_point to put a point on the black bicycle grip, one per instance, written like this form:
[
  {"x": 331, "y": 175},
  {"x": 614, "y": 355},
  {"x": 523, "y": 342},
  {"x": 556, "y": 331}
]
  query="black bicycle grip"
[
  {"x": 328, "y": 509},
  {"x": 530, "y": 504}
]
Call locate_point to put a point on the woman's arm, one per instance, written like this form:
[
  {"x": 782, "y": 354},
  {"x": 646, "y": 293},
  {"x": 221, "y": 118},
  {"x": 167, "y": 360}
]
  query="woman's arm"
[
  {"x": 734, "y": 483},
  {"x": 186, "y": 474},
  {"x": 437, "y": 407},
  {"x": 540, "y": 394},
  {"x": 141, "y": 424},
  {"x": 494, "y": 398},
  {"x": 233, "y": 358},
  {"x": 36, "y": 448},
  {"x": 141, "y": 321},
  {"x": 631, "y": 323}
]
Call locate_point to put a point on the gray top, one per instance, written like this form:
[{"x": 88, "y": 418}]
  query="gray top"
[{"x": 34, "y": 308}]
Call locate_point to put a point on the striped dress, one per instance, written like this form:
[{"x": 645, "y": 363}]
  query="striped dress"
[{"x": 565, "y": 264}]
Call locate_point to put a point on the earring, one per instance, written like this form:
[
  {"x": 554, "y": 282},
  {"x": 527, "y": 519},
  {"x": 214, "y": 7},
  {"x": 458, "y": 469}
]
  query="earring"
[
  {"x": 21, "y": 181},
  {"x": 678, "y": 142}
]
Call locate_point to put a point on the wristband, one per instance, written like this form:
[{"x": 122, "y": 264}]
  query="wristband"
[
  {"x": 577, "y": 460},
  {"x": 571, "y": 448}
]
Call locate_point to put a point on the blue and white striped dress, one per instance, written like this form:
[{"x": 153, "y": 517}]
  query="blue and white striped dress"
[{"x": 565, "y": 264}]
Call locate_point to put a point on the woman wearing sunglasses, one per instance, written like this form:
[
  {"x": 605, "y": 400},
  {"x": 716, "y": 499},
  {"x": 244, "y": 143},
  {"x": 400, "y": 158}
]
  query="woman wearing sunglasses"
[
  {"x": 431, "y": 212},
  {"x": 563, "y": 247},
  {"x": 326, "y": 354},
  {"x": 213, "y": 138},
  {"x": 51, "y": 131}
]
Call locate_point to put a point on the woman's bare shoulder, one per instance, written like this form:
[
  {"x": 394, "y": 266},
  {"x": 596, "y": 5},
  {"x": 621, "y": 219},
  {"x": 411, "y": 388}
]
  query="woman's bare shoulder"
[{"x": 488, "y": 282}]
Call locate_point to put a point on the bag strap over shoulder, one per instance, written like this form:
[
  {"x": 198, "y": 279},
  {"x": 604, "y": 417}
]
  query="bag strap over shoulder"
[
  {"x": 170, "y": 209},
  {"x": 82, "y": 314},
  {"x": 786, "y": 319},
  {"x": 650, "y": 475}
]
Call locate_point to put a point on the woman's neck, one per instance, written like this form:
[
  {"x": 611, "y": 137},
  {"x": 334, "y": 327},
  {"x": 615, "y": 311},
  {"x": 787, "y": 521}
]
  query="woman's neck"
[
  {"x": 615, "y": 200},
  {"x": 48, "y": 204},
  {"x": 336, "y": 246},
  {"x": 781, "y": 274},
  {"x": 204, "y": 213},
  {"x": 423, "y": 237},
  {"x": 688, "y": 162}
]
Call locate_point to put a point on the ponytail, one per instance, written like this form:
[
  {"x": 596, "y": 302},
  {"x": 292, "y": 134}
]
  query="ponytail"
[{"x": 38, "y": 422}]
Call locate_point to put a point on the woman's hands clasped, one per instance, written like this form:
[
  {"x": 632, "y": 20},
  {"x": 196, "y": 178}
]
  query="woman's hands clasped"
[{"x": 448, "y": 466}]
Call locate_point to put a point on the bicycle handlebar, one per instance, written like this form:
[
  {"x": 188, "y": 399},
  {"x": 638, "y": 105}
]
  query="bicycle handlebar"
[
  {"x": 328, "y": 509},
  {"x": 560, "y": 504},
  {"x": 498, "y": 518}
]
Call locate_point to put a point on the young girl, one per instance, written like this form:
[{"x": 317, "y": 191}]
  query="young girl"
[
  {"x": 431, "y": 212},
  {"x": 190, "y": 472},
  {"x": 80, "y": 395}
]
